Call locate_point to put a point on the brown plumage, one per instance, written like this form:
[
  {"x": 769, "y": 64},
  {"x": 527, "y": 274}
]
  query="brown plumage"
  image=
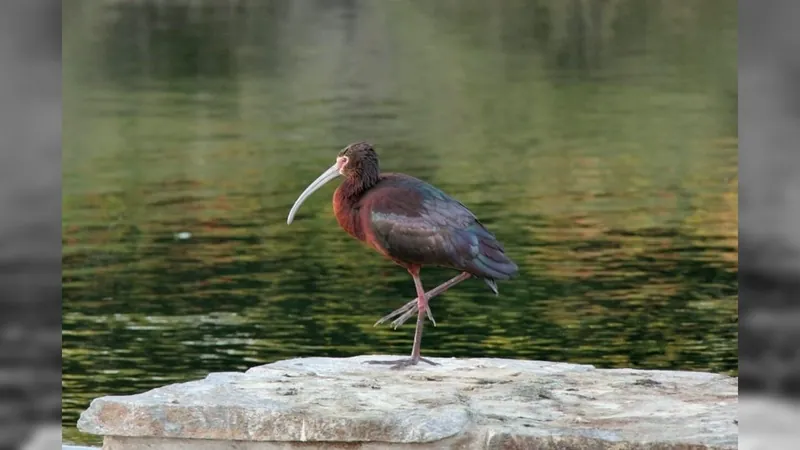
[{"x": 413, "y": 224}]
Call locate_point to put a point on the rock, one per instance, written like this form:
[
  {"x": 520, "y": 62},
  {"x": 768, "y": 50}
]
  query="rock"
[
  {"x": 771, "y": 423},
  {"x": 462, "y": 403},
  {"x": 43, "y": 438}
]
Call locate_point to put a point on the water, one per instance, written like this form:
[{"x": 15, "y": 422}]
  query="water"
[{"x": 597, "y": 140}]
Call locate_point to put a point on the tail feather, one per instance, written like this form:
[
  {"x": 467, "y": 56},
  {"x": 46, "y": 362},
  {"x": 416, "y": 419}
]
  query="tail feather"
[
  {"x": 485, "y": 256},
  {"x": 492, "y": 285},
  {"x": 499, "y": 270},
  {"x": 491, "y": 262}
]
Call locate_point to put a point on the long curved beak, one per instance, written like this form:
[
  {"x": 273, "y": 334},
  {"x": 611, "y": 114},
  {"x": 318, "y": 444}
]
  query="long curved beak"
[{"x": 326, "y": 176}]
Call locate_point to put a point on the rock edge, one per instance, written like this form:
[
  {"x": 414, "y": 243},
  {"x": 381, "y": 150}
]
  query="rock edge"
[{"x": 485, "y": 403}]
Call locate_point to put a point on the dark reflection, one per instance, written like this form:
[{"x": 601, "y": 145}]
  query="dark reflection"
[
  {"x": 606, "y": 166},
  {"x": 171, "y": 41}
]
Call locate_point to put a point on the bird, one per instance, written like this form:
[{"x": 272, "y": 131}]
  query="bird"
[{"x": 413, "y": 224}]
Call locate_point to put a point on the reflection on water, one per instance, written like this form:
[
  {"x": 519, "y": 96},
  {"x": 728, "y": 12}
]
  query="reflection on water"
[{"x": 596, "y": 139}]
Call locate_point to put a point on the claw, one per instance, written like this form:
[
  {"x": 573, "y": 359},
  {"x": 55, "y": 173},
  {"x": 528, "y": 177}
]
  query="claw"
[
  {"x": 410, "y": 308},
  {"x": 430, "y": 316},
  {"x": 409, "y": 314},
  {"x": 404, "y": 312},
  {"x": 401, "y": 363},
  {"x": 410, "y": 305}
]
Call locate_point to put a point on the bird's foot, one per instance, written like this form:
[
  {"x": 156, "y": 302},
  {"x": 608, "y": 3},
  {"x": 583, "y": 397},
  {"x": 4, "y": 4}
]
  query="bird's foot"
[
  {"x": 409, "y": 314},
  {"x": 401, "y": 363},
  {"x": 405, "y": 312}
]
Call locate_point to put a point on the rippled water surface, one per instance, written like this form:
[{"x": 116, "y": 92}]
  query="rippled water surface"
[{"x": 597, "y": 140}]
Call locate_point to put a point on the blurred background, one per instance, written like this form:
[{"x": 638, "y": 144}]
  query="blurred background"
[
  {"x": 769, "y": 225},
  {"x": 596, "y": 139},
  {"x": 30, "y": 226}
]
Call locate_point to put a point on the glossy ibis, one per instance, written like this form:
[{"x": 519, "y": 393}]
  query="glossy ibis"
[{"x": 414, "y": 224}]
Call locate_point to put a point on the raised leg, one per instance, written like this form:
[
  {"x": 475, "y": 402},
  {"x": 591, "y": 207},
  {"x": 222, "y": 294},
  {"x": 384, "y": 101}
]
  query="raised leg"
[
  {"x": 422, "y": 306},
  {"x": 406, "y": 311}
]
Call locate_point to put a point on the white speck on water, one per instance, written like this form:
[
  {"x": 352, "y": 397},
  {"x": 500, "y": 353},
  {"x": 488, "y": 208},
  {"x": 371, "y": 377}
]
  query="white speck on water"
[{"x": 183, "y": 235}]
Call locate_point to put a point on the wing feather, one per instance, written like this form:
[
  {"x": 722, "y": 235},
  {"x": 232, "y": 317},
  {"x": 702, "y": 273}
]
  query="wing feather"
[{"x": 417, "y": 223}]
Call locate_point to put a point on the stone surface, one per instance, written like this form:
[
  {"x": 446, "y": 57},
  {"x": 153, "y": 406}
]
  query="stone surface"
[
  {"x": 768, "y": 423},
  {"x": 462, "y": 403},
  {"x": 43, "y": 438}
]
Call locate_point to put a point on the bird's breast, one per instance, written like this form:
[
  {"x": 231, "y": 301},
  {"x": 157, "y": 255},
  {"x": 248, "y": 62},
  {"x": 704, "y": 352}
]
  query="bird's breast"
[{"x": 346, "y": 212}]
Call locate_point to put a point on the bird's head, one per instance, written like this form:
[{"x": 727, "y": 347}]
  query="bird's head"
[{"x": 356, "y": 162}]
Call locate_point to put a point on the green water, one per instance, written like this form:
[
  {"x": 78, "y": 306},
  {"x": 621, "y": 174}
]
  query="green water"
[{"x": 596, "y": 139}]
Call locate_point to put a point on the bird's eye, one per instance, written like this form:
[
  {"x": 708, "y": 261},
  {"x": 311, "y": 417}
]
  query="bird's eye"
[{"x": 342, "y": 161}]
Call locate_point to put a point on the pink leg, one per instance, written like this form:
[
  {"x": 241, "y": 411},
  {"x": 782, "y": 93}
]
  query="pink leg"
[
  {"x": 422, "y": 306},
  {"x": 406, "y": 311}
]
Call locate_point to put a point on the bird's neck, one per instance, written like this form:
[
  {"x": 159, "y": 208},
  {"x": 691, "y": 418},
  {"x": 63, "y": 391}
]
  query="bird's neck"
[
  {"x": 354, "y": 187},
  {"x": 346, "y": 203}
]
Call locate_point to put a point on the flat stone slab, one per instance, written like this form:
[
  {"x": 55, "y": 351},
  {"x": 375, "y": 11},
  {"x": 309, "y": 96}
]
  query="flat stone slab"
[{"x": 461, "y": 403}]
